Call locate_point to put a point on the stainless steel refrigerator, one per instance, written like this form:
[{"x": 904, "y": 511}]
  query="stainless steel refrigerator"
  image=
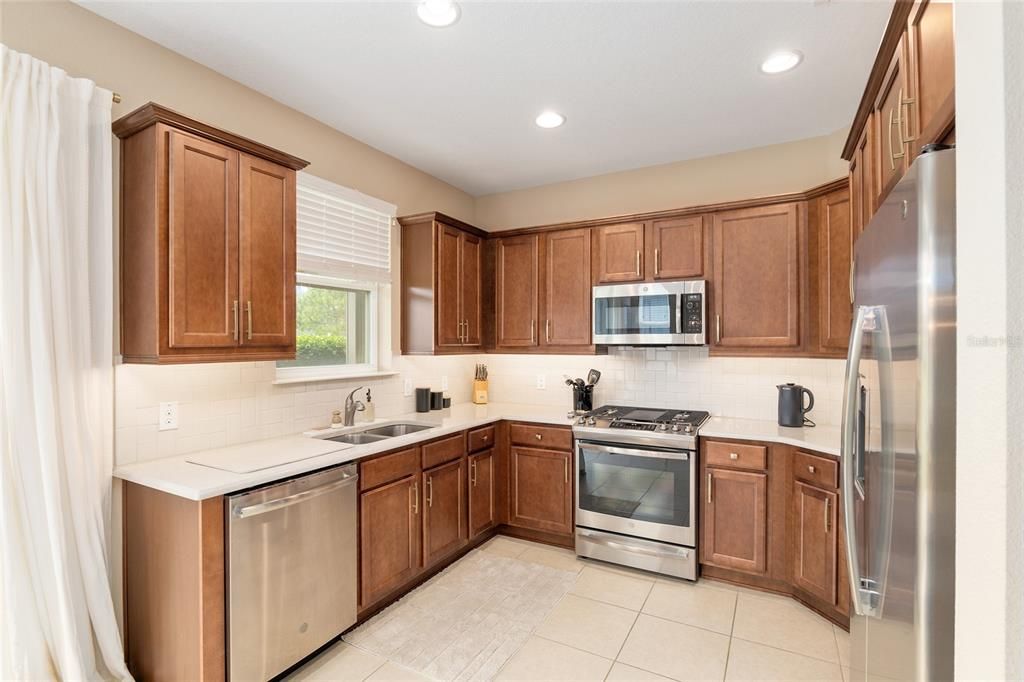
[{"x": 899, "y": 430}]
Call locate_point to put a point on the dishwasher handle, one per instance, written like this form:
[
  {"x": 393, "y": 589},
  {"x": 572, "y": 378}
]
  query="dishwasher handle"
[{"x": 281, "y": 503}]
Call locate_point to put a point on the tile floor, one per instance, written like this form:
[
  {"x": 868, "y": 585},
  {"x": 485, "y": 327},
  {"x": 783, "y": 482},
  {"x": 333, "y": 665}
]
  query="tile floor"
[{"x": 620, "y": 624}]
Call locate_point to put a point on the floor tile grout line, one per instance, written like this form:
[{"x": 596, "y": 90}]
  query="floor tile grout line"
[
  {"x": 788, "y": 651},
  {"x": 689, "y": 625},
  {"x": 732, "y": 629}
]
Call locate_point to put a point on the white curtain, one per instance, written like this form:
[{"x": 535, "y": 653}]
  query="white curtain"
[{"x": 56, "y": 375}]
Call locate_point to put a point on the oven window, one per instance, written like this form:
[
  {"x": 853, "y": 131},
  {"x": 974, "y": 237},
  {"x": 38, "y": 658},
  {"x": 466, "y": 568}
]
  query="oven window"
[
  {"x": 635, "y": 487},
  {"x": 648, "y": 314}
]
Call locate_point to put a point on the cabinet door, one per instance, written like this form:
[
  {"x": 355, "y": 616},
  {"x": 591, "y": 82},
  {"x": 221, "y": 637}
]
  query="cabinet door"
[
  {"x": 567, "y": 292},
  {"x": 735, "y": 520},
  {"x": 861, "y": 182},
  {"x": 469, "y": 262},
  {"x": 202, "y": 243},
  {"x": 928, "y": 116},
  {"x": 756, "y": 284},
  {"x": 540, "y": 489},
  {"x": 481, "y": 492},
  {"x": 618, "y": 253},
  {"x": 444, "y": 510},
  {"x": 675, "y": 248},
  {"x": 517, "y": 305},
  {"x": 448, "y": 318},
  {"x": 815, "y": 541},
  {"x": 389, "y": 538},
  {"x": 890, "y": 151},
  {"x": 267, "y": 258},
  {"x": 835, "y": 258}
]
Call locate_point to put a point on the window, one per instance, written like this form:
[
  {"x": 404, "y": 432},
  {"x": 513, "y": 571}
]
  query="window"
[{"x": 344, "y": 278}]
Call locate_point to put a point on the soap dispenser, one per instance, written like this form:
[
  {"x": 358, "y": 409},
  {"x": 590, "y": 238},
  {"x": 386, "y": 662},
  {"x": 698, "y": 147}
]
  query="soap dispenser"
[{"x": 369, "y": 413}]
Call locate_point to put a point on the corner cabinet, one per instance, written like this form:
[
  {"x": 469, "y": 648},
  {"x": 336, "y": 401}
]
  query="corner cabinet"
[
  {"x": 442, "y": 285},
  {"x": 207, "y": 243}
]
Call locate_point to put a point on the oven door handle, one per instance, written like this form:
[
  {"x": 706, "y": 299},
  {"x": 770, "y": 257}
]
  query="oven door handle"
[
  {"x": 683, "y": 455},
  {"x": 602, "y": 539}
]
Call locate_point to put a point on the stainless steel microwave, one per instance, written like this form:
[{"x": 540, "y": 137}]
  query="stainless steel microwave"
[{"x": 651, "y": 314}]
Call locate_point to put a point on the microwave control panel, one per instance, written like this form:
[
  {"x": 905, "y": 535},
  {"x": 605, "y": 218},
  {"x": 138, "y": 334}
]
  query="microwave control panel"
[{"x": 693, "y": 313}]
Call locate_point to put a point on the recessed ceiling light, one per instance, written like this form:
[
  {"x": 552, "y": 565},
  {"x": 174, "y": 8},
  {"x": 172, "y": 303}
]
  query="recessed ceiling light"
[
  {"x": 781, "y": 61},
  {"x": 550, "y": 119},
  {"x": 438, "y": 13}
]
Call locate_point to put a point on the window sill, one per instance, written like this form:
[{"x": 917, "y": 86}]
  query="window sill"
[{"x": 369, "y": 374}]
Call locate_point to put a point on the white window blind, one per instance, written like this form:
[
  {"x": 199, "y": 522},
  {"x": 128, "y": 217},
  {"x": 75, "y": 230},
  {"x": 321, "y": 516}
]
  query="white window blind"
[{"x": 341, "y": 232}]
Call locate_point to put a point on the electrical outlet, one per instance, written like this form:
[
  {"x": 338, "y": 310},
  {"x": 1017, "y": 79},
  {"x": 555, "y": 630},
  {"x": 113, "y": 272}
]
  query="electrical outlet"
[
  {"x": 542, "y": 382},
  {"x": 168, "y": 416},
  {"x": 444, "y": 383},
  {"x": 407, "y": 388}
]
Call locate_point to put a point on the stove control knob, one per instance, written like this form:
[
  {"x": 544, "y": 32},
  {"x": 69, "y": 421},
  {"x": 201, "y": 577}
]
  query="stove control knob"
[
  {"x": 675, "y": 427},
  {"x": 591, "y": 421},
  {"x": 688, "y": 428},
  {"x": 663, "y": 427},
  {"x": 581, "y": 420}
]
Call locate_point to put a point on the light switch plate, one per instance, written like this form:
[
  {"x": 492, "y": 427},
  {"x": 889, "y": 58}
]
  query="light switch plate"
[
  {"x": 542, "y": 382},
  {"x": 407, "y": 388},
  {"x": 168, "y": 416},
  {"x": 444, "y": 383}
]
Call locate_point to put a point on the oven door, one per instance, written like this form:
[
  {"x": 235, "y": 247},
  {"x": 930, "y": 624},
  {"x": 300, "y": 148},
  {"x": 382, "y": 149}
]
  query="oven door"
[{"x": 638, "y": 491}]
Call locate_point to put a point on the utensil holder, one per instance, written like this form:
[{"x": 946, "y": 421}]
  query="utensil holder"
[{"x": 480, "y": 391}]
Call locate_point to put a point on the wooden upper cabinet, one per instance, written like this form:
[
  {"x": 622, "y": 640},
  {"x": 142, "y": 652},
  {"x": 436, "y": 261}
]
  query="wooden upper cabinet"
[
  {"x": 442, "y": 285},
  {"x": 861, "y": 181},
  {"x": 267, "y": 243},
  {"x": 756, "y": 256},
  {"x": 516, "y": 274},
  {"x": 675, "y": 248},
  {"x": 207, "y": 242},
  {"x": 618, "y": 253},
  {"x": 449, "y": 286},
  {"x": 929, "y": 112},
  {"x": 835, "y": 259},
  {"x": 566, "y": 288},
  {"x": 202, "y": 243},
  {"x": 815, "y": 545},
  {"x": 735, "y": 520},
  {"x": 890, "y": 147}
]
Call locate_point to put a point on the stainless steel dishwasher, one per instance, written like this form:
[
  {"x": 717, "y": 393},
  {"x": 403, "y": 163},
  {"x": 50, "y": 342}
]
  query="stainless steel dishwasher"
[{"x": 291, "y": 570}]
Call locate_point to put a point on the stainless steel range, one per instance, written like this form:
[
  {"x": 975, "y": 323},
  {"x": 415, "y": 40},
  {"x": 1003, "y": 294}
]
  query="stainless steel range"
[{"x": 636, "y": 487}]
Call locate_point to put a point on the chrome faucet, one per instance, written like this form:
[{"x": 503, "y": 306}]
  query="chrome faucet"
[{"x": 353, "y": 406}]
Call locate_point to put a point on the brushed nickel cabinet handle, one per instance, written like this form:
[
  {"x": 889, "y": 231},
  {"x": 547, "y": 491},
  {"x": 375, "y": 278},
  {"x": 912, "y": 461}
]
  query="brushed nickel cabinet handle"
[
  {"x": 810, "y": 468},
  {"x": 472, "y": 472},
  {"x": 709, "y": 487},
  {"x": 828, "y": 514},
  {"x": 430, "y": 491},
  {"x": 905, "y": 103},
  {"x": 234, "y": 314},
  {"x": 485, "y": 438},
  {"x": 565, "y": 463},
  {"x": 467, "y": 331},
  {"x": 657, "y": 261},
  {"x": 533, "y": 331},
  {"x": 537, "y": 436},
  {"x": 415, "y": 497},
  {"x": 733, "y": 455},
  {"x": 638, "y": 264},
  {"x": 547, "y": 331},
  {"x": 718, "y": 329},
  {"x": 248, "y": 312},
  {"x": 853, "y": 268}
]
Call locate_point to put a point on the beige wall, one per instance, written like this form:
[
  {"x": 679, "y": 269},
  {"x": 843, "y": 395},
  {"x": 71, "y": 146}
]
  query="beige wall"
[
  {"x": 776, "y": 169},
  {"x": 89, "y": 46}
]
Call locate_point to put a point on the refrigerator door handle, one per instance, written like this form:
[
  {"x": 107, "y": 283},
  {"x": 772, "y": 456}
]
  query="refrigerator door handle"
[{"x": 848, "y": 452}]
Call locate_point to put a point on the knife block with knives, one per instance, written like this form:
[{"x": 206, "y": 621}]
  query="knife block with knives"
[{"x": 480, "y": 385}]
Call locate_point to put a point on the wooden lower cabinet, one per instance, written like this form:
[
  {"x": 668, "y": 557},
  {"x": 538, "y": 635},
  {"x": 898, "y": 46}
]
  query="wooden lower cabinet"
[
  {"x": 735, "y": 524},
  {"x": 540, "y": 490},
  {"x": 389, "y": 537},
  {"x": 482, "y": 514},
  {"x": 773, "y": 523},
  {"x": 444, "y": 510},
  {"x": 815, "y": 547}
]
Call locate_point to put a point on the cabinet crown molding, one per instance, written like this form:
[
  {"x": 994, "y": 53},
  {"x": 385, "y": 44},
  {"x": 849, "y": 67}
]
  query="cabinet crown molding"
[{"x": 151, "y": 113}]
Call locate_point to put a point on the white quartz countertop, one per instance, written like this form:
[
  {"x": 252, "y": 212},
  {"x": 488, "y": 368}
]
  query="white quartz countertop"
[
  {"x": 824, "y": 439},
  {"x": 178, "y": 476}
]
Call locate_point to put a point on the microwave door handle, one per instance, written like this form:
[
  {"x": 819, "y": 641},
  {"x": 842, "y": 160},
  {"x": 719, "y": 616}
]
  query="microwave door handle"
[{"x": 848, "y": 454}]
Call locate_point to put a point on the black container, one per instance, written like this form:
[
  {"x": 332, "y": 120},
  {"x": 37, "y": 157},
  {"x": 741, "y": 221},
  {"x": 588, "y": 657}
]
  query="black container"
[
  {"x": 791, "y": 405},
  {"x": 436, "y": 400},
  {"x": 447, "y": 403},
  {"x": 423, "y": 400},
  {"x": 583, "y": 398}
]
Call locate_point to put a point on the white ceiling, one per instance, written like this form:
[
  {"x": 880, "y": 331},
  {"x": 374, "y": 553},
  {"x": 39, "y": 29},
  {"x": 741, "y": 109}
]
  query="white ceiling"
[{"x": 641, "y": 83}]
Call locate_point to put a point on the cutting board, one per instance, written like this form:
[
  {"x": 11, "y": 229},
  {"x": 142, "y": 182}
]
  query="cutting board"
[{"x": 265, "y": 454}]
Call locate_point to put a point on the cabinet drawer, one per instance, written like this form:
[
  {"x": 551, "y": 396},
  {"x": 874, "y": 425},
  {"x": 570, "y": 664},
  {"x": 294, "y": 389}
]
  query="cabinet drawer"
[
  {"x": 547, "y": 437},
  {"x": 388, "y": 468},
  {"x": 736, "y": 455},
  {"x": 444, "y": 450},
  {"x": 481, "y": 439},
  {"x": 816, "y": 470}
]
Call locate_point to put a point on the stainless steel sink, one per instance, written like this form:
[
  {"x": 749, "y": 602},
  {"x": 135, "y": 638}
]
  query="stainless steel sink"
[
  {"x": 360, "y": 438},
  {"x": 392, "y": 430}
]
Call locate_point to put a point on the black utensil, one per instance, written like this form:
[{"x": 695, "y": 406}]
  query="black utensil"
[{"x": 593, "y": 377}]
